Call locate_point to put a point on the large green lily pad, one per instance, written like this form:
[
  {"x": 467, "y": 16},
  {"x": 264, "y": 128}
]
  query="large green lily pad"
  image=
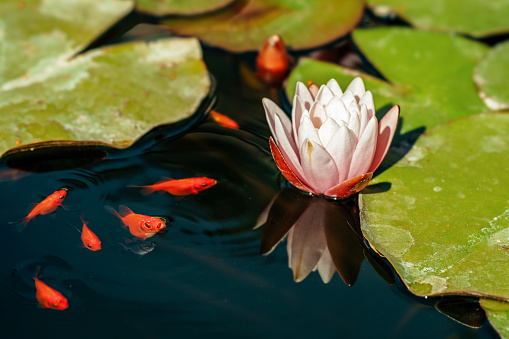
[
  {"x": 498, "y": 315},
  {"x": 179, "y": 7},
  {"x": 247, "y": 24},
  {"x": 491, "y": 76},
  {"x": 430, "y": 74},
  {"x": 111, "y": 95},
  {"x": 36, "y": 34},
  {"x": 474, "y": 17},
  {"x": 443, "y": 224}
]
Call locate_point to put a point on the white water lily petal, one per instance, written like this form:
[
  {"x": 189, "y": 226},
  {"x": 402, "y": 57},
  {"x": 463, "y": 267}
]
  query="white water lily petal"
[
  {"x": 271, "y": 110},
  {"x": 334, "y": 87},
  {"x": 317, "y": 114},
  {"x": 354, "y": 123},
  {"x": 287, "y": 148},
  {"x": 386, "y": 130},
  {"x": 367, "y": 99},
  {"x": 307, "y": 131},
  {"x": 363, "y": 117},
  {"x": 365, "y": 150},
  {"x": 327, "y": 130},
  {"x": 297, "y": 112},
  {"x": 348, "y": 98},
  {"x": 319, "y": 168},
  {"x": 353, "y": 107},
  {"x": 303, "y": 92},
  {"x": 337, "y": 110},
  {"x": 341, "y": 147},
  {"x": 357, "y": 88},
  {"x": 324, "y": 95}
]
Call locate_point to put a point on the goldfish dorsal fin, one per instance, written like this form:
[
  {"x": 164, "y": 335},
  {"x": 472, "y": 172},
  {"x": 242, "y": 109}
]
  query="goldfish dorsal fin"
[{"x": 124, "y": 211}]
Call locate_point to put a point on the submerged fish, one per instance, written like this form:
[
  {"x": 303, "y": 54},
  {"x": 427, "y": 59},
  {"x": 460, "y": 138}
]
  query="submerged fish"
[
  {"x": 185, "y": 186},
  {"x": 48, "y": 205},
  {"x": 223, "y": 120},
  {"x": 141, "y": 226},
  {"x": 138, "y": 247},
  {"x": 47, "y": 296}
]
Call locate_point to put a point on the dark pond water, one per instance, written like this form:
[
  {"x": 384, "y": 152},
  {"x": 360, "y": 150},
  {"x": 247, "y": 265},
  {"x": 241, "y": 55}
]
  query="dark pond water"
[{"x": 204, "y": 277}]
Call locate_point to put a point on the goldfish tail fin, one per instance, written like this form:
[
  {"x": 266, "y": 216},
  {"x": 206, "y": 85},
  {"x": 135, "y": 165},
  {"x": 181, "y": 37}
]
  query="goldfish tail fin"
[
  {"x": 112, "y": 211},
  {"x": 145, "y": 190},
  {"x": 21, "y": 223}
]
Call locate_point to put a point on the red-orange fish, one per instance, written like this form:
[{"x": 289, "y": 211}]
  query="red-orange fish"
[
  {"x": 90, "y": 239},
  {"x": 223, "y": 120},
  {"x": 49, "y": 297},
  {"x": 48, "y": 205},
  {"x": 181, "y": 186},
  {"x": 272, "y": 62},
  {"x": 141, "y": 226}
]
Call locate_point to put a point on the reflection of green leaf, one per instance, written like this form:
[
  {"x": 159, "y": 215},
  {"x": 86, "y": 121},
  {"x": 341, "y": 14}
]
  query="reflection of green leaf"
[
  {"x": 474, "y": 17},
  {"x": 498, "y": 315},
  {"x": 430, "y": 89},
  {"x": 444, "y": 222},
  {"x": 111, "y": 95},
  {"x": 188, "y": 7},
  {"x": 491, "y": 76},
  {"x": 247, "y": 24}
]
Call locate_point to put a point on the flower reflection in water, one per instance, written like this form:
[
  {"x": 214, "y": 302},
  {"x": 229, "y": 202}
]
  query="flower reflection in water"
[{"x": 323, "y": 235}]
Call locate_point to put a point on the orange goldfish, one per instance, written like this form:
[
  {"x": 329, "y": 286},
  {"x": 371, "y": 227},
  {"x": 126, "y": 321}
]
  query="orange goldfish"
[
  {"x": 223, "y": 120},
  {"x": 272, "y": 62},
  {"x": 180, "y": 186},
  {"x": 89, "y": 239},
  {"x": 48, "y": 205},
  {"x": 141, "y": 226},
  {"x": 49, "y": 297}
]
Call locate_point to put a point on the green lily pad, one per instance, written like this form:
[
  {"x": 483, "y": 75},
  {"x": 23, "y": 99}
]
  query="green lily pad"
[
  {"x": 498, "y": 315},
  {"x": 36, "y": 34},
  {"x": 188, "y": 7},
  {"x": 474, "y": 17},
  {"x": 430, "y": 74},
  {"x": 111, "y": 95},
  {"x": 245, "y": 25},
  {"x": 491, "y": 76},
  {"x": 443, "y": 224}
]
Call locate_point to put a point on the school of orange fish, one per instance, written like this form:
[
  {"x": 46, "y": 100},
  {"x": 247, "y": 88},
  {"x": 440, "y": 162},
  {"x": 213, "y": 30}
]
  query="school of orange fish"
[{"x": 139, "y": 225}]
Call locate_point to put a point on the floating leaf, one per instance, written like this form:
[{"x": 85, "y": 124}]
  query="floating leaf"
[
  {"x": 443, "y": 224},
  {"x": 498, "y": 315},
  {"x": 475, "y": 17},
  {"x": 491, "y": 76},
  {"x": 245, "y": 25},
  {"x": 111, "y": 95},
  {"x": 36, "y": 34},
  {"x": 429, "y": 88},
  {"x": 189, "y": 7}
]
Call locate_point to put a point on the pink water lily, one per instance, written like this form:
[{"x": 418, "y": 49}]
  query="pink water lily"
[{"x": 334, "y": 142}]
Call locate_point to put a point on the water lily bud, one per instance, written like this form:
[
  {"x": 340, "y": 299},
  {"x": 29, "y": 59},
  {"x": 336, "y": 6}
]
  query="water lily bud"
[
  {"x": 272, "y": 62},
  {"x": 333, "y": 143}
]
